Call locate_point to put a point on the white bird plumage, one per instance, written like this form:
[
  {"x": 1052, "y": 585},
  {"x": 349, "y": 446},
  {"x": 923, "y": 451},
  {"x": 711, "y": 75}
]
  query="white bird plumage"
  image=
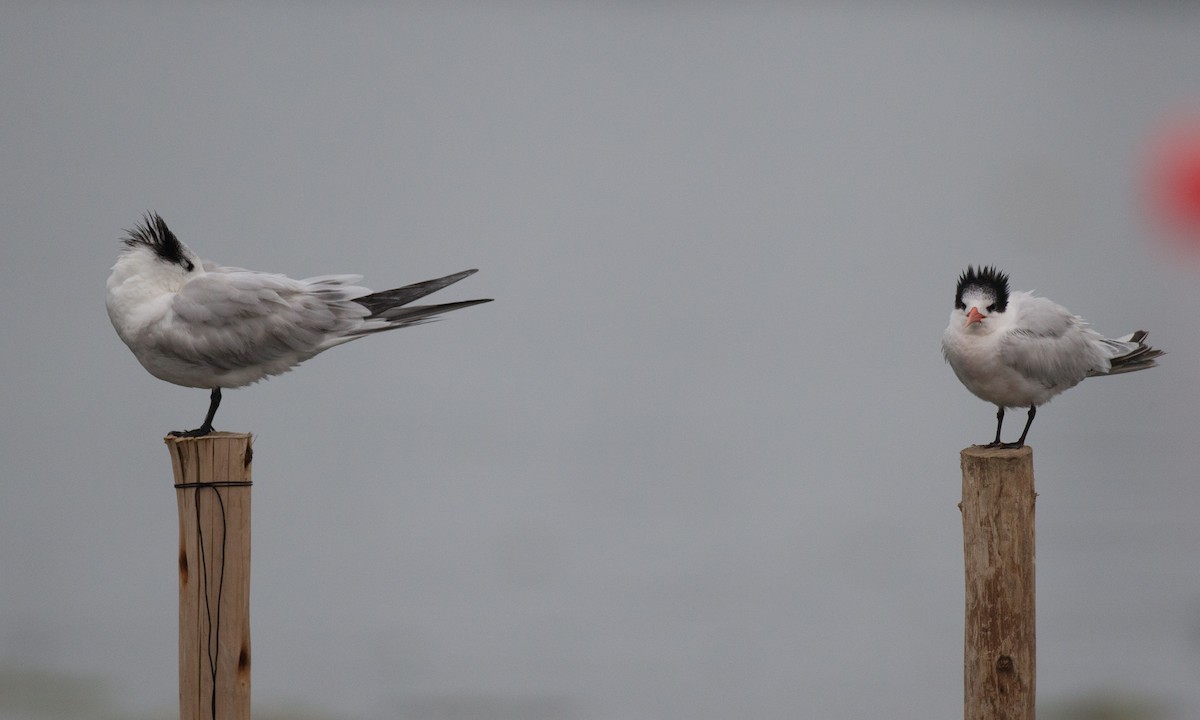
[
  {"x": 197, "y": 324},
  {"x": 1020, "y": 350}
]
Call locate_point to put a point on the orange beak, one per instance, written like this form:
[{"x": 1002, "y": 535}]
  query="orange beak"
[{"x": 974, "y": 316}]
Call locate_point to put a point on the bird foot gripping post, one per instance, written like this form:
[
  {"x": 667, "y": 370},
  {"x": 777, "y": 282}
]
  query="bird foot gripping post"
[
  {"x": 212, "y": 487},
  {"x": 999, "y": 665}
]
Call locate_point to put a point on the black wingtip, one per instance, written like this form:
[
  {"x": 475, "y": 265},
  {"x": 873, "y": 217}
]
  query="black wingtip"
[
  {"x": 1141, "y": 358},
  {"x": 380, "y": 302},
  {"x": 408, "y": 316}
]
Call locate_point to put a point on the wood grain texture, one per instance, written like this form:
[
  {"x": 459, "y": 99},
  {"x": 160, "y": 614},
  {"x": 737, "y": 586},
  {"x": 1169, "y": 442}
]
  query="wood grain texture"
[
  {"x": 999, "y": 665},
  {"x": 214, "y": 575}
]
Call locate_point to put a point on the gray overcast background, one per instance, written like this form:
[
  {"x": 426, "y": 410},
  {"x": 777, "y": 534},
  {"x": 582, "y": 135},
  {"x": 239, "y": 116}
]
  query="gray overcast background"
[{"x": 700, "y": 458}]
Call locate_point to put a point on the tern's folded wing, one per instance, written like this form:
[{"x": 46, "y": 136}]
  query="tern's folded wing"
[
  {"x": 237, "y": 319},
  {"x": 1052, "y": 347}
]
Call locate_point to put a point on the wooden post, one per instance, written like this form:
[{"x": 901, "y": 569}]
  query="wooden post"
[
  {"x": 212, "y": 481},
  {"x": 999, "y": 666}
]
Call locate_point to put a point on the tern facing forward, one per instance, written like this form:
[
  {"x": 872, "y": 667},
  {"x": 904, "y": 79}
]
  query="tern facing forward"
[
  {"x": 195, "y": 324},
  {"x": 1020, "y": 350}
]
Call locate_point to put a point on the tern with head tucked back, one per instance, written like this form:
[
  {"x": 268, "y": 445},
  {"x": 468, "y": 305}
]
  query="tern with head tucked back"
[
  {"x": 1019, "y": 350},
  {"x": 196, "y": 324}
]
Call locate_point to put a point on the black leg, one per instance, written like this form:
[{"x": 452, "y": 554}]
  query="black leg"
[
  {"x": 999, "y": 424},
  {"x": 214, "y": 400},
  {"x": 1021, "y": 441}
]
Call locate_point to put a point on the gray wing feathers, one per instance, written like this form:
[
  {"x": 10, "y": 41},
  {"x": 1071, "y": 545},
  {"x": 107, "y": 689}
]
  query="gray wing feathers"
[
  {"x": 237, "y": 318},
  {"x": 389, "y": 309},
  {"x": 1053, "y": 361},
  {"x": 413, "y": 315},
  {"x": 1041, "y": 317},
  {"x": 380, "y": 302},
  {"x": 1053, "y": 345},
  {"x": 1130, "y": 354},
  {"x": 1059, "y": 349}
]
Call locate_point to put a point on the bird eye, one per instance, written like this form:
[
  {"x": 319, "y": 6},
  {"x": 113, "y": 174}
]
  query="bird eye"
[
  {"x": 991, "y": 308},
  {"x": 187, "y": 265}
]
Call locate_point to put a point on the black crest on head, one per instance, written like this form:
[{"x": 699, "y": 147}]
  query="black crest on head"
[
  {"x": 987, "y": 279},
  {"x": 154, "y": 234}
]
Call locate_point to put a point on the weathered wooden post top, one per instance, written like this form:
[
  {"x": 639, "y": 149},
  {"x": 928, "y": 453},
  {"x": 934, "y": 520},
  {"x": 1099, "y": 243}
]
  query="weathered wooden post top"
[
  {"x": 999, "y": 663},
  {"x": 212, "y": 488}
]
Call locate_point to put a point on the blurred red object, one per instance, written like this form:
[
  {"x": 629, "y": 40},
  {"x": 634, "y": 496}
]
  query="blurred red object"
[{"x": 1174, "y": 179}]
